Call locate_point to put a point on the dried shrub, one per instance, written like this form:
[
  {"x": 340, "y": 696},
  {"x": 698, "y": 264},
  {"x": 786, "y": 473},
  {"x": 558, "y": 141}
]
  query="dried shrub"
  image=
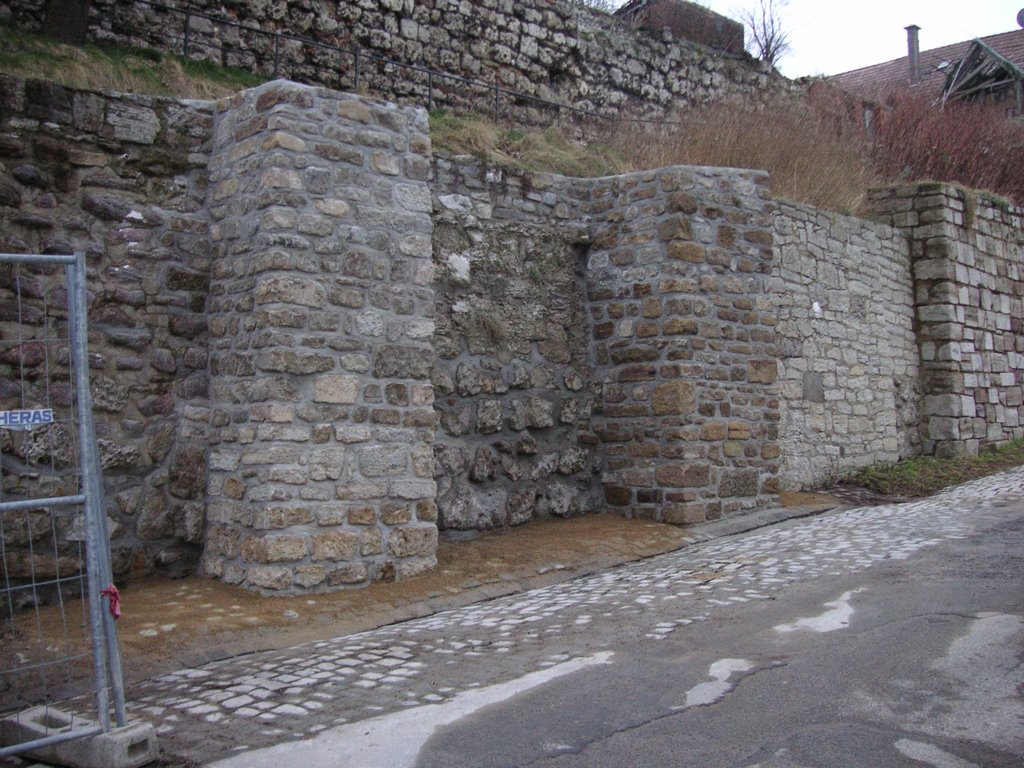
[
  {"x": 970, "y": 144},
  {"x": 812, "y": 155}
]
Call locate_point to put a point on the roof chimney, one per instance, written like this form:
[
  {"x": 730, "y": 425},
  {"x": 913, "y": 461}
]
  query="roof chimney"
[{"x": 913, "y": 54}]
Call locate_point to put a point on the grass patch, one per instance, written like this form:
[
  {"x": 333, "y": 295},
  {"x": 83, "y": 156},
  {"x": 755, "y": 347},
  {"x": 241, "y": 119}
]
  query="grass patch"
[
  {"x": 926, "y": 475},
  {"x": 112, "y": 68},
  {"x": 548, "y": 150}
]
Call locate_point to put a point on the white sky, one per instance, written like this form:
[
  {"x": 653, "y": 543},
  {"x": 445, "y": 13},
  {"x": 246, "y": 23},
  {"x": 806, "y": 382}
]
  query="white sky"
[{"x": 830, "y": 36}]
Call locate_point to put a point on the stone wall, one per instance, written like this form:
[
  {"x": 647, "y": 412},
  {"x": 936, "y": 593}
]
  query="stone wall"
[
  {"x": 968, "y": 261},
  {"x": 313, "y": 344},
  {"x": 684, "y": 342},
  {"x": 321, "y": 320},
  {"x": 551, "y": 49},
  {"x": 848, "y": 350},
  {"x": 513, "y": 380},
  {"x": 124, "y": 179}
]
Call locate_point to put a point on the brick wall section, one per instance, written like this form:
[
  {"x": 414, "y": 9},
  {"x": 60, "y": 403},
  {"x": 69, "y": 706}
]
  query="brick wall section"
[
  {"x": 687, "y": 21},
  {"x": 968, "y": 259},
  {"x": 124, "y": 179},
  {"x": 551, "y": 49},
  {"x": 849, "y": 361},
  {"x": 684, "y": 342},
  {"x": 321, "y": 324},
  {"x": 513, "y": 378}
]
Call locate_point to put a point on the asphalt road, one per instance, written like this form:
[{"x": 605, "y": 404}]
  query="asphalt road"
[{"x": 888, "y": 636}]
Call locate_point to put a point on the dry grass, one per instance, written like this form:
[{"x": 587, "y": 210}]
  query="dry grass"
[
  {"x": 967, "y": 144},
  {"x": 104, "y": 68},
  {"x": 808, "y": 159}
]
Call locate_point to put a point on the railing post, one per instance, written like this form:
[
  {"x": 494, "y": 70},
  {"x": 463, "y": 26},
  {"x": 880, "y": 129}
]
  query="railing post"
[
  {"x": 277, "y": 53},
  {"x": 430, "y": 90},
  {"x": 355, "y": 86},
  {"x": 497, "y": 96},
  {"x": 188, "y": 22}
]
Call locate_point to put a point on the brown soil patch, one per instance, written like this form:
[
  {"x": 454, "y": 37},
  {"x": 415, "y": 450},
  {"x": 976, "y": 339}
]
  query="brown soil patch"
[{"x": 169, "y": 624}]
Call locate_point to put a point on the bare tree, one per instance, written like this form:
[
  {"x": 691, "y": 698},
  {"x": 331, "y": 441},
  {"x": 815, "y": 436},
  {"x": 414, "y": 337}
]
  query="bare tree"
[{"x": 769, "y": 41}]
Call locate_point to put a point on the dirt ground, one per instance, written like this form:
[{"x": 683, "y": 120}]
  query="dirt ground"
[{"x": 170, "y": 624}]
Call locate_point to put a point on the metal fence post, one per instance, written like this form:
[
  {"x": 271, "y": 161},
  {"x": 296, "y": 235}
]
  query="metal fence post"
[
  {"x": 188, "y": 22},
  {"x": 497, "y": 96},
  {"x": 355, "y": 85},
  {"x": 430, "y": 91},
  {"x": 277, "y": 53}
]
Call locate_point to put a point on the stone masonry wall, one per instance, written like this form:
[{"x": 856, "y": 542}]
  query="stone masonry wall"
[
  {"x": 311, "y": 346},
  {"x": 321, "y": 319},
  {"x": 513, "y": 380},
  {"x": 685, "y": 346},
  {"x": 968, "y": 261},
  {"x": 124, "y": 179},
  {"x": 849, "y": 361},
  {"x": 550, "y": 49}
]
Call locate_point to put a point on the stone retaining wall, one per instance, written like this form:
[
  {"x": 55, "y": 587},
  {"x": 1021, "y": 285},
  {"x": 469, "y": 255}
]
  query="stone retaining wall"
[
  {"x": 313, "y": 344},
  {"x": 513, "y": 380},
  {"x": 551, "y": 49},
  {"x": 849, "y": 360},
  {"x": 124, "y": 178}
]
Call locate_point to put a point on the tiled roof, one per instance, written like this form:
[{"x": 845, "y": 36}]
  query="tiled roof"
[{"x": 879, "y": 79}]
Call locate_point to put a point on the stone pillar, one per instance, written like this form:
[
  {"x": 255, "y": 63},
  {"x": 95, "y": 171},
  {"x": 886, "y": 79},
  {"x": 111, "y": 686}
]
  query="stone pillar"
[
  {"x": 684, "y": 342},
  {"x": 967, "y": 285},
  {"x": 320, "y": 341}
]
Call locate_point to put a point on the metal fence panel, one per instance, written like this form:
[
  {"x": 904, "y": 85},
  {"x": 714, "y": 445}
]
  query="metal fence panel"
[{"x": 56, "y": 625}]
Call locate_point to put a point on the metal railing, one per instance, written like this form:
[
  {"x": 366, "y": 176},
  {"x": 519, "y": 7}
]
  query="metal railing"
[
  {"x": 55, "y": 570},
  {"x": 353, "y": 70}
]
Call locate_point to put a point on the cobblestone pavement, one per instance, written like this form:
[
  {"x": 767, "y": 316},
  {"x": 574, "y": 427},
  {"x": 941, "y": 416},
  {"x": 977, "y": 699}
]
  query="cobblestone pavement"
[{"x": 267, "y": 698}]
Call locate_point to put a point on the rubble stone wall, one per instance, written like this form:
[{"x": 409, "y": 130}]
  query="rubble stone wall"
[
  {"x": 513, "y": 380},
  {"x": 321, "y": 326},
  {"x": 848, "y": 349},
  {"x": 551, "y": 49},
  {"x": 968, "y": 262},
  {"x": 124, "y": 179}
]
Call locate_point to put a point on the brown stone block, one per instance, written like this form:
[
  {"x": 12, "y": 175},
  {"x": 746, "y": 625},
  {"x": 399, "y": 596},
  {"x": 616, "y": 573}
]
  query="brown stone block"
[
  {"x": 770, "y": 451},
  {"x": 413, "y": 542},
  {"x": 351, "y": 573},
  {"x": 335, "y": 545},
  {"x": 683, "y": 514},
  {"x": 281, "y": 517},
  {"x": 683, "y": 475},
  {"x": 762, "y": 371},
  {"x": 362, "y": 515},
  {"x": 426, "y": 511},
  {"x": 740, "y": 482},
  {"x": 636, "y": 373},
  {"x": 686, "y": 251},
  {"x": 275, "y": 549},
  {"x": 290, "y": 95},
  {"x": 618, "y": 496},
  {"x": 268, "y": 577},
  {"x": 310, "y": 575},
  {"x": 634, "y": 354},
  {"x": 759, "y": 237},
  {"x": 673, "y": 397},
  {"x": 713, "y": 432},
  {"x": 739, "y": 430},
  {"x": 675, "y": 228},
  {"x": 679, "y": 325},
  {"x": 683, "y": 202}
]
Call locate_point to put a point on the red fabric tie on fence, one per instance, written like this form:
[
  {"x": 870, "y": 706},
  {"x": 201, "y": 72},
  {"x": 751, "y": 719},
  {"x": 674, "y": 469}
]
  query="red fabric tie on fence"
[{"x": 115, "y": 600}]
